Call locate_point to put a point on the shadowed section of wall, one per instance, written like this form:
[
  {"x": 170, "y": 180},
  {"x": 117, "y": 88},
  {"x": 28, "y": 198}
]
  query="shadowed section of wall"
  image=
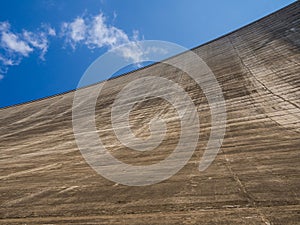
[{"x": 253, "y": 180}]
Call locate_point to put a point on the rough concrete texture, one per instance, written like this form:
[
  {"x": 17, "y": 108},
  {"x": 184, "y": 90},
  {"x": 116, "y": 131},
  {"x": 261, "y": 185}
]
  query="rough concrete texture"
[{"x": 255, "y": 179}]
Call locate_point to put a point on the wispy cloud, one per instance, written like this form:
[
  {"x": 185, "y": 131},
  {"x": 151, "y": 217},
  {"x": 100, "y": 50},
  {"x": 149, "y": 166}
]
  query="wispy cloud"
[
  {"x": 74, "y": 32},
  {"x": 6, "y": 61},
  {"x": 37, "y": 40},
  {"x": 15, "y": 46},
  {"x": 12, "y": 43},
  {"x": 96, "y": 32},
  {"x": 51, "y": 31}
]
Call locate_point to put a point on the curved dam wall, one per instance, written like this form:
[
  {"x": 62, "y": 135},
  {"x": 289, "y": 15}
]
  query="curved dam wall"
[{"x": 253, "y": 180}]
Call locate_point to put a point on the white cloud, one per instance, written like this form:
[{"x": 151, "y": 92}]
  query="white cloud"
[
  {"x": 74, "y": 31},
  {"x": 51, "y": 31},
  {"x": 38, "y": 41},
  {"x": 12, "y": 43},
  {"x": 4, "y": 26},
  {"x": 101, "y": 34},
  {"x": 96, "y": 32},
  {"x": 1, "y": 77},
  {"x": 132, "y": 52},
  {"x": 15, "y": 46},
  {"x": 7, "y": 62}
]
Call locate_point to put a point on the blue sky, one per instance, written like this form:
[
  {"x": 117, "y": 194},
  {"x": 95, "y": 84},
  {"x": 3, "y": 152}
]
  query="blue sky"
[{"x": 46, "y": 45}]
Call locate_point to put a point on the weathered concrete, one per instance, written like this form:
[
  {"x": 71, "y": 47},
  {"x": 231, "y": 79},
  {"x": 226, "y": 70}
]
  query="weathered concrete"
[{"x": 254, "y": 179}]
